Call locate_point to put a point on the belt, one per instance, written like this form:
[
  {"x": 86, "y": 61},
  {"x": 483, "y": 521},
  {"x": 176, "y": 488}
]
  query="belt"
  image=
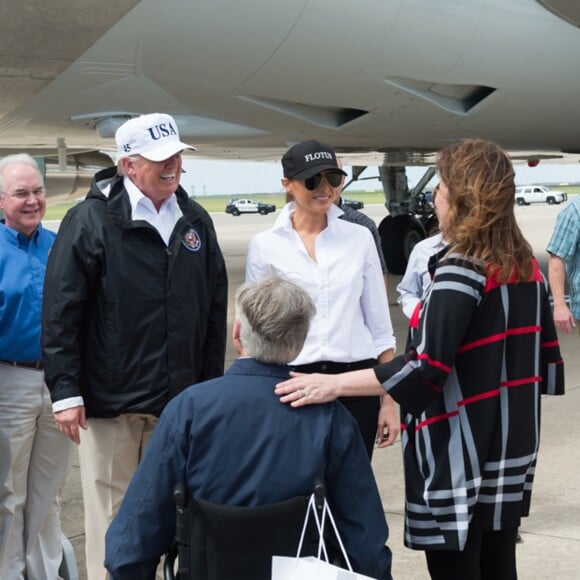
[
  {"x": 35, "y": 364},
  {"x": 334, "y": 368}
]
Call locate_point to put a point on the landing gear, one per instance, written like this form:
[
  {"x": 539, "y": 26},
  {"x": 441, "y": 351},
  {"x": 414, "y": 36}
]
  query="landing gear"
[
  {"x": 411, "y": 213},
  {"x": 399, "y": 234},
  {"x": 408, "y": 210}
]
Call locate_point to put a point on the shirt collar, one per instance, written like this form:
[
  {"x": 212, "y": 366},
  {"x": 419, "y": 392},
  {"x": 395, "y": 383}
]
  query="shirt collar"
[
  {"x": 19, "y": 237},
  {"x": 284, "y": 220},
  {"x": 438, "y": 242},
  {"x": 136, "y": 198}
]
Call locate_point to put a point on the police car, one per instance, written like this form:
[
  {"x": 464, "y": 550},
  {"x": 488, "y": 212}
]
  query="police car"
[{"x": 239, "y": 206}]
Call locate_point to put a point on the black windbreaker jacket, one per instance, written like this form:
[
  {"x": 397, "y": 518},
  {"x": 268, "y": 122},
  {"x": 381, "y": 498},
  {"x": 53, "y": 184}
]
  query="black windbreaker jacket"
[{"x": 127, "y": 321}]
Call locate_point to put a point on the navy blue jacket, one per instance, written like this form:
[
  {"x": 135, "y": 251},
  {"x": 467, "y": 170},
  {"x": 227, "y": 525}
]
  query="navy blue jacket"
[{"x": 234, "y": 443}]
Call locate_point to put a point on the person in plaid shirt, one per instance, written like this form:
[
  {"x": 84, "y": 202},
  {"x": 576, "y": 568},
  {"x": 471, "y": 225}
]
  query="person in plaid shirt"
[{"x": 564, "y": 262}]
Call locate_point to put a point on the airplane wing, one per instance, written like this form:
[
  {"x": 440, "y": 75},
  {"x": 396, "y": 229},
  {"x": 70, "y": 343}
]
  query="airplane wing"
[
  {"x": 386, "y": 83},
  {"x": 399, "y": 78}
]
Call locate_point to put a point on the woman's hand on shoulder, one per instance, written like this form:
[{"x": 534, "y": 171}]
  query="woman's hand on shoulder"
[{"x": 304, "y": 389}]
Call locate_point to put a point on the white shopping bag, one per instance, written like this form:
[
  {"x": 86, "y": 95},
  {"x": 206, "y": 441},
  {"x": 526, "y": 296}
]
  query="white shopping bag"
[{"x": 311, "y": 567}]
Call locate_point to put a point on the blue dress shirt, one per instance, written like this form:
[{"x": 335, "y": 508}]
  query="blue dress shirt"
[{"x": 22, "y": 267}]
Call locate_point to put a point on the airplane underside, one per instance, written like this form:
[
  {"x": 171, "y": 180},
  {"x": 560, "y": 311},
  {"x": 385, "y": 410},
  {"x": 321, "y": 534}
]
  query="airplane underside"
[
  {"x": 386, "y": 84},
  {"x": 411, "y": 214}
]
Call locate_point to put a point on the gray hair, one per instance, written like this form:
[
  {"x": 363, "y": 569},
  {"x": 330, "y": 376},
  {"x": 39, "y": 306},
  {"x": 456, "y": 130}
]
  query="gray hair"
[
  {"x": 274, "y": 316},
  {"x": 23, "y": 158},
  {"x": 120, "y": 170}
]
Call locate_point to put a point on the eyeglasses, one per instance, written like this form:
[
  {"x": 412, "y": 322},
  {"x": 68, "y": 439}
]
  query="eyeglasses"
[
  {"x": 22, "y": 194},
  {"x": 334, "y": 179}
]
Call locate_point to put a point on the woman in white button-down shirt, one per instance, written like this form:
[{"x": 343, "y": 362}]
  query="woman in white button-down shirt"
[{"x": 337, "y": 263}]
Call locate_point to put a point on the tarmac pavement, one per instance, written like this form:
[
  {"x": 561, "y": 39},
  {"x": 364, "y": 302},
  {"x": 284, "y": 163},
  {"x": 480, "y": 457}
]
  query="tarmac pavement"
[{"x": 551, "y": 534}]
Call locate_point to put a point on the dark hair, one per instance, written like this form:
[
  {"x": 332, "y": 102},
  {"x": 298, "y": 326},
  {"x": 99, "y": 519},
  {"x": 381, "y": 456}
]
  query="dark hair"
[{"x": 481, "y": 222}]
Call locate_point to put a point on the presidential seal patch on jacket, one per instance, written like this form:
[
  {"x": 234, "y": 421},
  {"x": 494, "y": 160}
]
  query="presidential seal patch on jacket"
[{"x": 191, "y": 240}]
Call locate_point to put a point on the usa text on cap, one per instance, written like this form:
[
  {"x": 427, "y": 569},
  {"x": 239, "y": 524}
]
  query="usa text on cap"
[{"x": 153, "y": 136}]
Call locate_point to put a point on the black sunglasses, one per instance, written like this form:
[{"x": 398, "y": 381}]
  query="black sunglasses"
[{"x": 334, "y": 179}]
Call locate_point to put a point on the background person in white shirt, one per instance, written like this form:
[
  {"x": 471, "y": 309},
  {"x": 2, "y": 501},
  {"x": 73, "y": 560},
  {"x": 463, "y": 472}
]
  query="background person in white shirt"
[
  {"x": 337, "y": 263},
  {"x": 417, "y": 277}
]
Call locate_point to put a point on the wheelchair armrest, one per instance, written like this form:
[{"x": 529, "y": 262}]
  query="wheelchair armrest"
[
  {"x": 319, "y": 494},
  {"x": 180, "y": 494}
]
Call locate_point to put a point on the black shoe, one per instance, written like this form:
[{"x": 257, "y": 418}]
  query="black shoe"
[{"x": 519, "y": 539}]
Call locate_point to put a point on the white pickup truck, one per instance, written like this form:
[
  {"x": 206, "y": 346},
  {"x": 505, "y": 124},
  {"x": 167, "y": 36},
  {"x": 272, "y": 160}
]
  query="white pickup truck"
[{"x": 527, "y": 194}]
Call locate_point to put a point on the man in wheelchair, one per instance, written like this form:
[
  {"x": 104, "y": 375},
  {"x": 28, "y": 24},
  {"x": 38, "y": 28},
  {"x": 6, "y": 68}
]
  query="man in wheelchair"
[{"x": 233, "y": 443}]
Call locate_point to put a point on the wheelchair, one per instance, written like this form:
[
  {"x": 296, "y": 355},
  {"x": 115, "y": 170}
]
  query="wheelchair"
[{"x": 218, "y": 542}]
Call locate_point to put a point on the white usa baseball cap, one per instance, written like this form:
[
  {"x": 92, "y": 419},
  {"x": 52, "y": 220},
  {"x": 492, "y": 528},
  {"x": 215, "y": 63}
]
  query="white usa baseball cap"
[{"x": 153, "y": 136}]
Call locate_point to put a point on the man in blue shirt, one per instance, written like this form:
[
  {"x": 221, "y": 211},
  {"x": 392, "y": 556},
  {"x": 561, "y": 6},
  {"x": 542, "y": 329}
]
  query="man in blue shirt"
[
  {"x": 233, "y": 443},
  {"x": 34, "y": 455},
  {"x": 564, "y": 250}
]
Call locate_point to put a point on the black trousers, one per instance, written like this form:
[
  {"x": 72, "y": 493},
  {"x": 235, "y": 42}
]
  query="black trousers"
[
  {"x": 365, "y": 410},
  {"x": 488, "y": 555}
]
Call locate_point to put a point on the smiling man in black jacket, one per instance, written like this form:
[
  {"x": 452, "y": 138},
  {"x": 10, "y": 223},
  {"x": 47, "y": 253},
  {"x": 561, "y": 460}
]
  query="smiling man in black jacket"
[{"x": 135, "y": 310}]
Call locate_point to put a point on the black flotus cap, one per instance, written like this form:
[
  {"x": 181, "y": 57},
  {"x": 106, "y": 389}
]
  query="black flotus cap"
[{"x": 309, "y": 158}]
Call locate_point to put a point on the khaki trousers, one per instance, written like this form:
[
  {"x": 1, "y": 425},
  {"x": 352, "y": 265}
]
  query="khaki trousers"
[
  {"x": 34, "y": 460},
  {"x": 109, "y": 453}
]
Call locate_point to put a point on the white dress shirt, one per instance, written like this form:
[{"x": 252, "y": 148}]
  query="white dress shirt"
[
  {"x": 417, "y": 279},
  {"x": 352, "y": 320},
  {"x": 142, "y": 208}
]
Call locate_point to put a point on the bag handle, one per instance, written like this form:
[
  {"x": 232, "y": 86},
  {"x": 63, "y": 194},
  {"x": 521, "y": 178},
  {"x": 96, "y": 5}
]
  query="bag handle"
[
  {"x": 320, "y": 523},
  {"x": 326, "y": 511},
  {"x": 311, "y": 508}
]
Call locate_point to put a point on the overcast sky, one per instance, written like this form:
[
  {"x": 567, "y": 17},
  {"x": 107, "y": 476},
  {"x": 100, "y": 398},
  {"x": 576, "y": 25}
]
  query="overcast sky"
[{"x": 241, "y": 178}]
